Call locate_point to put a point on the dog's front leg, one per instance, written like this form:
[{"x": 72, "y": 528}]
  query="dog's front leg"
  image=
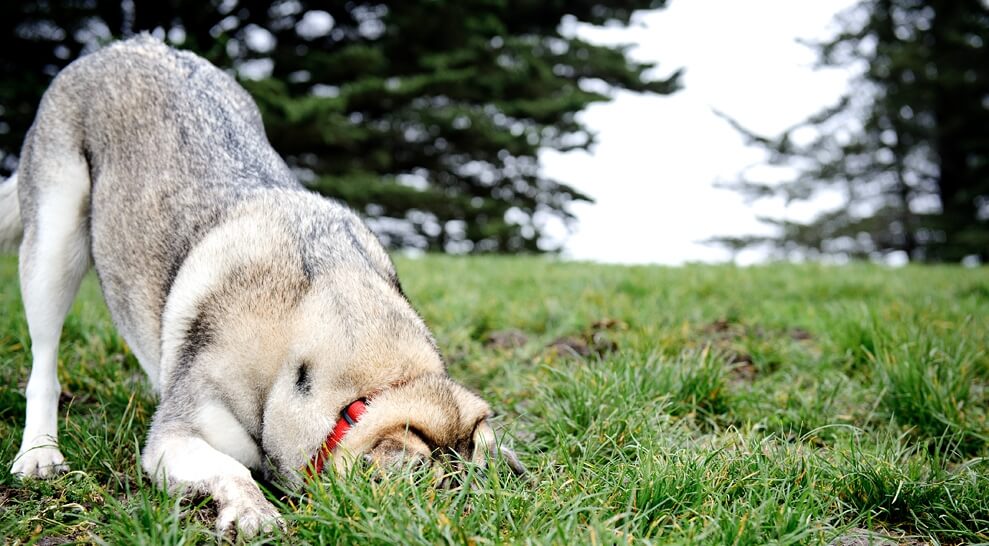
[{"x": 181, "y": 460}]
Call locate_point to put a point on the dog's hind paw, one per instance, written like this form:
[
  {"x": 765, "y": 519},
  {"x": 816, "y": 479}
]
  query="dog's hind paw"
[
  {"x": 249, "y": 516},
  {"x": 39, "y": 462}
]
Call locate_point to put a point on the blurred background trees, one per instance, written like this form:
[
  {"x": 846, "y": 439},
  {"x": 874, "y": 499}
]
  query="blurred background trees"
[
  {"x": 908, "y": 147},
  {"x": 426, "y": 116}
]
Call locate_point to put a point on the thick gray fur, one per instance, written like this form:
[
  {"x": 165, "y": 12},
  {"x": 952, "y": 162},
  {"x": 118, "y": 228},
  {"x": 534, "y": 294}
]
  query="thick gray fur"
[
  {"x": 258, "y": 309},
  {"x": 165, "y": 151},
  {"x": 147, "y": 119}
]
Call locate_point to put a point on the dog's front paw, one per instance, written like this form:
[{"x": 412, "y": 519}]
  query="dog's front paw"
[
  {"x": 249, "y": 514},
  {"x": 44, "y": 461}
]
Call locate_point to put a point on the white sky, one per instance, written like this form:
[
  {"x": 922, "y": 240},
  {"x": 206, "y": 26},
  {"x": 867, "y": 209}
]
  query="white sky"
[{"x": 657, "y": 157}]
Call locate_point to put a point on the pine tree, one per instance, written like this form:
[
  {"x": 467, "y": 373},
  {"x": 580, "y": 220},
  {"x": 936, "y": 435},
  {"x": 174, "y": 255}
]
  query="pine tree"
[
  {"x": 907, "y": 147},
  {"x": 425, "y": 116}
]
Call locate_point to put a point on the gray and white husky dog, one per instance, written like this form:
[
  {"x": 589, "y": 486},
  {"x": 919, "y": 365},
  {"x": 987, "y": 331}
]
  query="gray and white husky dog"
[{"x": 259, "y": 310}]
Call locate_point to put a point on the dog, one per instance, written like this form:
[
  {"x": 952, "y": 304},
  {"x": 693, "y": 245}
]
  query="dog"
[{"x": 269, "y": 320}]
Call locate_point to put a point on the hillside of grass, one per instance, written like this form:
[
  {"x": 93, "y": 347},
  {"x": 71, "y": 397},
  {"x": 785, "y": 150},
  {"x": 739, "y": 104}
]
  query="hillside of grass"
[{"x": 779, "y": 404}]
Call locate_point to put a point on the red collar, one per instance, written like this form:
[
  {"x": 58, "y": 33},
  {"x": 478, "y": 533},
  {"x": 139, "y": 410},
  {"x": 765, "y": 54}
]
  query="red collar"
[{"x": 348, "y": 418}]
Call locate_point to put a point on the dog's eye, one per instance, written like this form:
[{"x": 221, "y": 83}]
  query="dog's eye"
[{"x": 303, "y": 383}]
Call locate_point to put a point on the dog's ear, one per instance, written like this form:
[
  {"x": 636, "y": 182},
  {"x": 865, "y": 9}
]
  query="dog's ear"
[{"x": 486, "y": 447}]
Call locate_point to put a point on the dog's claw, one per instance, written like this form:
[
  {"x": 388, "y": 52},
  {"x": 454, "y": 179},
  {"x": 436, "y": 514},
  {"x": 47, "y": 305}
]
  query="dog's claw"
[
  {"x": 249, "y": 517},
  {"x": 39, "y": 462}
]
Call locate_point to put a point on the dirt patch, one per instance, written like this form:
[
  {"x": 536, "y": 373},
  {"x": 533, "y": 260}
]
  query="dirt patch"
[
  {"x": 742, "y": 367},
  {"x": 728, "y": 330},
  {"x": 799, "y": 334},
  {"x": 79, "y": 534},
  {"x": 54, "y": 540},
  {"x": 570, "y": 345},
  {"x": 728, "y": 337},
  {"x": 723, "y": 336},
  {"x": 506, "y": 339},
  {"x": 608, "y": 324},
  {"x": 6, "y": 493},
  {"x": 595, "y": 340},
  {"x": 865, "y": 537},
  {"x": 719, "y": 326},
  {"x": 67, "y": 397}
]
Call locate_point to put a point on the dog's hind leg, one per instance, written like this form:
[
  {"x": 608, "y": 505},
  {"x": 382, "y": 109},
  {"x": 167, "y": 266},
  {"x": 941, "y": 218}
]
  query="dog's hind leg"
[{"x": 54, "y": 256}]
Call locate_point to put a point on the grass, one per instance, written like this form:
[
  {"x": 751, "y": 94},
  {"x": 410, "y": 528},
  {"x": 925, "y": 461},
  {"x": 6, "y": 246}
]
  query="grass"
[{"x": 780, "y": 404}]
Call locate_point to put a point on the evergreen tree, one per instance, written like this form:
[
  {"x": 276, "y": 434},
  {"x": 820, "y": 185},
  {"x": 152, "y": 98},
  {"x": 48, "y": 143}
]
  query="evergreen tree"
[
  {"x": 426, "y": 116},
  {"x": 908, "y": 146}
]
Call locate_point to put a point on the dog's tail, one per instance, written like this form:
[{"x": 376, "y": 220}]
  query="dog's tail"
[{"x": 10, "y": 216}]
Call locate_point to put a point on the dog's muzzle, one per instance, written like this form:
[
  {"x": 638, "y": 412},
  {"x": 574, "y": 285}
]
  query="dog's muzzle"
[{"x": 348, "y": 418}]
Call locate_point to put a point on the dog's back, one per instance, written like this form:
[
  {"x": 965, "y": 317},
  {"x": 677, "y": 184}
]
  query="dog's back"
[{"x": 168, "y": 147}]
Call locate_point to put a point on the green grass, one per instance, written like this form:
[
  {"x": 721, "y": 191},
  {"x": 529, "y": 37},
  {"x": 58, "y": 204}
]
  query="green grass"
[{"x": 780, "y": 404}]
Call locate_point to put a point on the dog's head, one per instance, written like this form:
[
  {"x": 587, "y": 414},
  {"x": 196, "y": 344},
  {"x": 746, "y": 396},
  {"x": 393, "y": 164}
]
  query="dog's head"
[
  {"x": 430, "y": 420},
  {"x": 426, "y": 421},
  {"x": 358, "y": 338}
]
